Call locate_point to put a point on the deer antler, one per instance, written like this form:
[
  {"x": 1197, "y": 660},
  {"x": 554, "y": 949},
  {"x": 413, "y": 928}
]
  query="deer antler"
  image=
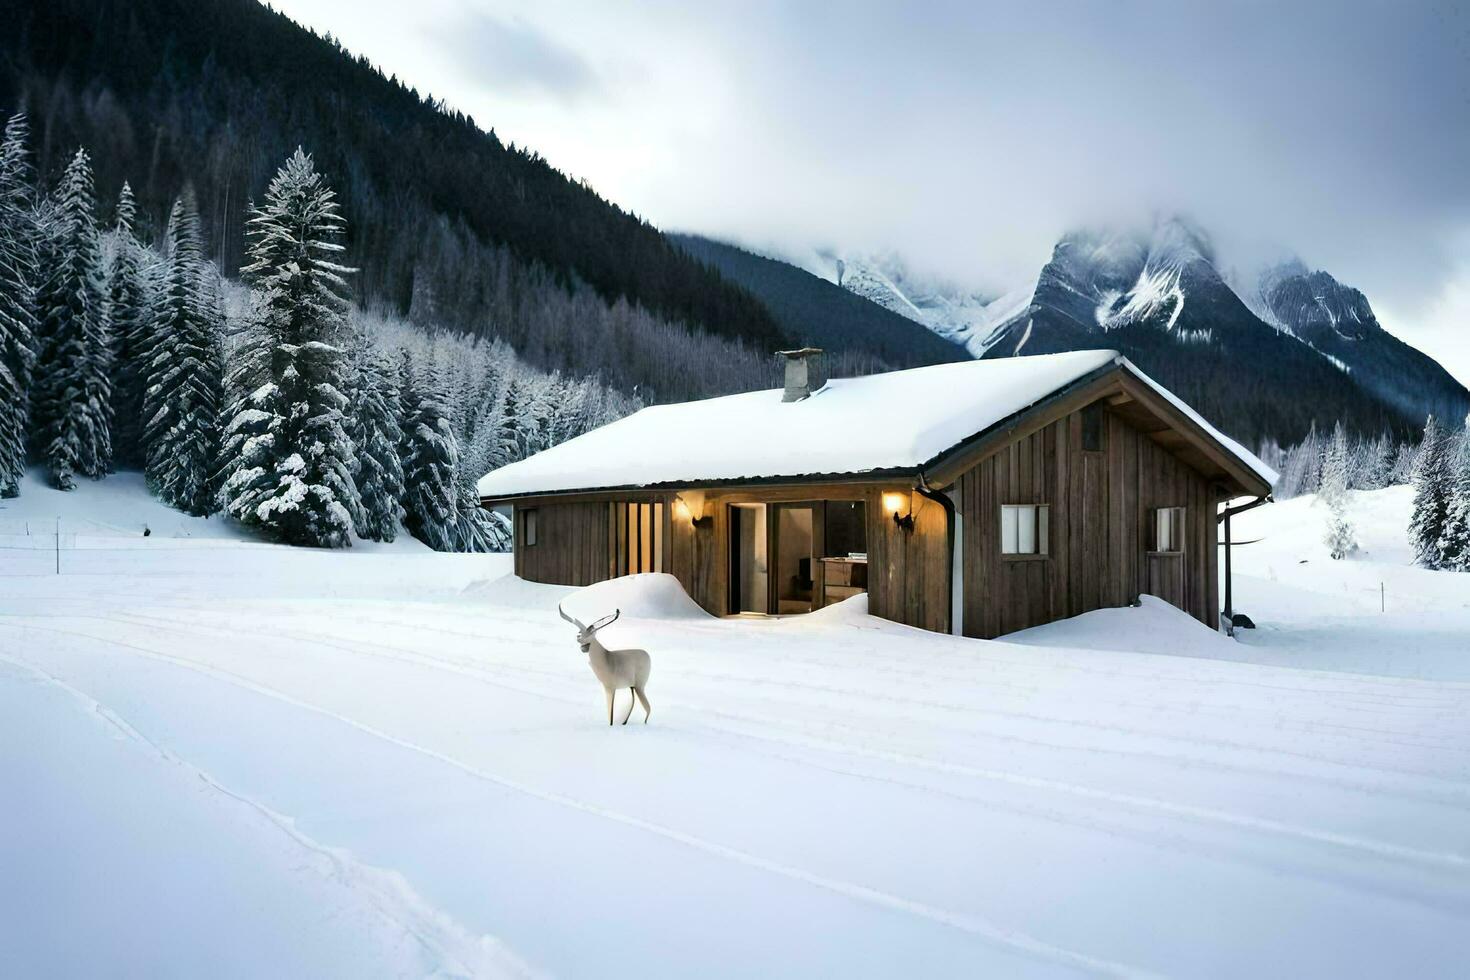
[
  {"x": 606, "y": 620},
  {"x": 569, "y": 619}
]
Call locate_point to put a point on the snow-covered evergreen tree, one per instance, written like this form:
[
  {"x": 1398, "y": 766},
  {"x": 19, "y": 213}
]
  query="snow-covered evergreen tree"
[
  {"x": 374, "y": 428},
  {"x": 183, "y": 391},
  {"x": 1301, "y": 471},
  {"x": 430, "y": 459},
  {"x": 289, "y": 456},
  {"x": 1432, "y": 489},
  {"x": 130, "y": 314},
  {"x": 1454, "y": 542},
  {"x": 72, "y": 392},
  {"x": 479, "y": 390},
  {"x": 1402, "y": 470},
  {"x": 1377, "y": 463},
  {"x": 18, "y": 321},
  {"x": 1333, "y": 492}
]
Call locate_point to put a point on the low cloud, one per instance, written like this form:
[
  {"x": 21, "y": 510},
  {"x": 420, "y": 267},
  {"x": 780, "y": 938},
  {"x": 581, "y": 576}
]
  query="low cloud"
[{"x": 509, "y": 56}]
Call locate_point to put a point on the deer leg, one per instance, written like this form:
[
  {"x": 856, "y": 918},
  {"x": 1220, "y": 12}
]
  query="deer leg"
[
  {"x": 630, "y": 705},
  {"x": 643, "y": 700},
  {"x": 609, "y": 706}
]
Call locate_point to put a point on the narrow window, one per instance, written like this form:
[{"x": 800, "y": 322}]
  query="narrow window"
[
  {"x": 528, "y": 536},
  {"x": 1023, "y": 529},
  {"x": 1092, "y": 428},
  {"x": 1169, "y": 529},
  {"x": 640, "y": 532}
]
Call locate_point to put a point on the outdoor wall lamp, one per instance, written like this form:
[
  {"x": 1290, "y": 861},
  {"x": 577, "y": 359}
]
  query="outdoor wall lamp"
[
  {"x": 893, "y": 503},
  {"x": 685, "y": 512}
]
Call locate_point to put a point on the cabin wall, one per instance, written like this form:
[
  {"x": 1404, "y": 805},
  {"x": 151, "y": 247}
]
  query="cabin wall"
[
  {"x": 571, "y": 543},
  {"x": 1101, "y": 510},
  {"x": 908, "y": 571}
]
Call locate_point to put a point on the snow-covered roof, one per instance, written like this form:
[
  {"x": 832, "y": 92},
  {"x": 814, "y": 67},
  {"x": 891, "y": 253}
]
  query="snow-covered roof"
[{"x": 895, "y": 421}]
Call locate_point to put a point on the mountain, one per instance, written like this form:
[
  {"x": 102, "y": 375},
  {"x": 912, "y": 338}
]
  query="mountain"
[
  {"x": 219, "y": 93},
  {"x": 1337, "y": 320},
  {"x": 964, "y": 317},
  {"x": 817, "y": 312},
  {"x": 1266, "y": 357}
]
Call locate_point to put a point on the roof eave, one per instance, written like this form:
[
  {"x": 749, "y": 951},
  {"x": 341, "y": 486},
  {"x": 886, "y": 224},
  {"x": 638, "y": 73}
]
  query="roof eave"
[{"x": 884, "y": 475}]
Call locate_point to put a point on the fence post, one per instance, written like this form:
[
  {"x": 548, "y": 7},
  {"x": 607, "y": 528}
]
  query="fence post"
[
  {"x": 58, "y": 545},
  {"x": 1382, "y": 599}
]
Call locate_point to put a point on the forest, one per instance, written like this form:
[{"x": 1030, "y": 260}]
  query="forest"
[
  {"x": 1437, "y": 466},
  {"x": 274, "y": 399}
]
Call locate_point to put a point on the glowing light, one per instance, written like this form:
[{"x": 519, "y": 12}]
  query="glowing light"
[{"x": 893, "y": 502}]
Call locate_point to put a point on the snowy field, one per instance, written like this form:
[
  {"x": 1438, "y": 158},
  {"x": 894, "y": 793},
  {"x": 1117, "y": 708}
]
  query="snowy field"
[{"x": 222, "y": 758}]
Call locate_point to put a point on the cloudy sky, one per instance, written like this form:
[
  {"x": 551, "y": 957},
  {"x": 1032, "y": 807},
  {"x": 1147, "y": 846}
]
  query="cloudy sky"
[{"x": 966, "y": 137}]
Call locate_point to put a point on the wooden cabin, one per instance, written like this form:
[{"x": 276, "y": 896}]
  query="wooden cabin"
[{"x": 977, "y": 498}]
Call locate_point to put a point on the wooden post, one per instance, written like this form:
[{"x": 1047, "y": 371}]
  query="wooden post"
[
  {"x": 58, "y": 545},
  {"x": 1229, "y": 603}
]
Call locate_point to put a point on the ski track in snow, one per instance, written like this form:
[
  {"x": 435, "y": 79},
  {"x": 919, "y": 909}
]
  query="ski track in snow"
[{"x": 387, "y": 892}]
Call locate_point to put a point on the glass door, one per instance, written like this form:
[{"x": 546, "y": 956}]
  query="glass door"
[
  {"x": 794, "y": 584},
  {"x": 749, "y": 580}
]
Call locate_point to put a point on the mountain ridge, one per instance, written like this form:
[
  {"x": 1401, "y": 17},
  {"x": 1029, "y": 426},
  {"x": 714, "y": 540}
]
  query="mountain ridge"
[
  {"x": 819, "y": 313},
  {"x": 1268, "y": 353}
]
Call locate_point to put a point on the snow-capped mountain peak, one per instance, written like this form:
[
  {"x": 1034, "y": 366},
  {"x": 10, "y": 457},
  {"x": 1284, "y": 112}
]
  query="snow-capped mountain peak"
[{"x": 1156, "y": 291}]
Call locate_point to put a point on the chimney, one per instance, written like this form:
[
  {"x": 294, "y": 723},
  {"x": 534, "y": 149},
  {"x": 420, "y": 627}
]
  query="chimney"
[{"x": 806, "y": 372}]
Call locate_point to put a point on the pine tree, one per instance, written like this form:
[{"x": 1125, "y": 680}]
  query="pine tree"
[
  {"x": 131, "y": 314},
  {"x": 72, "y": 394},
  {"x": 430, "y": 459},
  {"x": 1432, "y": 488},
  {"x": 1454, "y": 542},
  {"x": 1301, "y": 472},
  {"x": 183, "y": 390},
  {"x": 1402, "y": 471},
  {"x": 477, "y": 529},
  {"x": 375, "y": 431},
  {"x": 1333, "y": 492},
  {"x": 1378, "y": 464},
  {"x": 289, "y": 457},
  {"x": 18, "y": 321}
]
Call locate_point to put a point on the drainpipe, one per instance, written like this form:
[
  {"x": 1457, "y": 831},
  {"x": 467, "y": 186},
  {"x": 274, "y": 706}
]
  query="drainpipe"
[
  {"x": 952, "y": 531},
  {"x": 1229, "y": 614}
]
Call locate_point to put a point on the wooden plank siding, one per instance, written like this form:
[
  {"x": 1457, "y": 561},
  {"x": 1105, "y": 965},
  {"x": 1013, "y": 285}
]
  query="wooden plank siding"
[
  {"x": 571, "y": 543},
  {"x": 1101, "y": 524}
]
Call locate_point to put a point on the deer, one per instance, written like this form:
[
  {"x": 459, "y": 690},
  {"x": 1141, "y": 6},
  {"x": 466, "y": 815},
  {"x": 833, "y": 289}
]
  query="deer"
[{"x": 616, "y": 669}]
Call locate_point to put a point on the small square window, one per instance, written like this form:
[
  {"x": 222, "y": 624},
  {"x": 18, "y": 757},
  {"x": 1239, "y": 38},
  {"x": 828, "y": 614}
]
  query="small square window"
[
  {"x": 1023, "y": 529},
  {"x": 1169, "y": 529},
  {"x": 1092, "y": 428},
  {"x": 528, "y": 534}
]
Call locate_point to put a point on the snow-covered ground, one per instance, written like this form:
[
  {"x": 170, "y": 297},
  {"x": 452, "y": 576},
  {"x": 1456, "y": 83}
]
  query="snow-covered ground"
[{"x": 231, "y": 759}]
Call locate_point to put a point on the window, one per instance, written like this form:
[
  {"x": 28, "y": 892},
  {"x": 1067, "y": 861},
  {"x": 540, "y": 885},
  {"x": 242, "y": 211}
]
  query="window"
[
  {"x": 528, "y": 531},
  {"x": 1023, "y": 529},
  {"x": 1169, "y": 529},
  {"x": 1092, "y": 428},
  {"x": 640, "y": 538},
  {"x": 845, "y": 529}
]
